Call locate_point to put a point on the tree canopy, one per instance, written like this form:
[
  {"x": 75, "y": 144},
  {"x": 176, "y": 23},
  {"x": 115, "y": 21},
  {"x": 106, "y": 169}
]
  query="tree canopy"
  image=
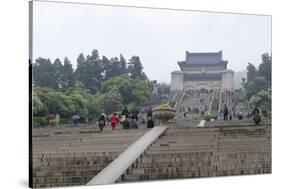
[
  {"x": 96, "y": 85},
  {"x": 258, "y": 83}
]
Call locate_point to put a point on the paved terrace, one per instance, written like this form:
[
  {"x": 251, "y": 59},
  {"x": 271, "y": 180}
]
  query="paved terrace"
[
  {"x": 74, "y": 155},
  {"x": 190, "y": 152}
]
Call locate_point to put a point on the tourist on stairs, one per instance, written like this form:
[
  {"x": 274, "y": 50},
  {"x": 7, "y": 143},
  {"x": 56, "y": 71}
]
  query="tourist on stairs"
[
  {"x": 126, "y": 123},
  {"x": 225, "y": 113},
  {"x": 102, "y": 121},
  {"x": 256, "y": 113},
  {"x": 150, "y": 123},
  {"x": 114, "y": 121}
]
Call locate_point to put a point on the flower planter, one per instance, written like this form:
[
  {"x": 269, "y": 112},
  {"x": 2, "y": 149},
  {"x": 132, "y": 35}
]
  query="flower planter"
[{"x": 163, "y": 114}]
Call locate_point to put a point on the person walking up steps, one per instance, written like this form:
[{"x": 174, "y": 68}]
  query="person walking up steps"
[
  {"x": 102, "y": 121},
  {"x": 225, "y": 113},
  {"x": 114, "y": 121}
]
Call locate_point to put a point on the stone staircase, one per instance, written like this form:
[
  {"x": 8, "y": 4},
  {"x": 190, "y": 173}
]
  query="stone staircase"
[
  {"x": 73, "y": 156},
  {"x": 189, "y": 152},
  {"x": 193, "y": 100}
]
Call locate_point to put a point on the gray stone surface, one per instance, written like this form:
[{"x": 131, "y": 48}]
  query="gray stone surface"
[
  {"x": 115, "y": 169},
  {"x": 189, "y": 152}
]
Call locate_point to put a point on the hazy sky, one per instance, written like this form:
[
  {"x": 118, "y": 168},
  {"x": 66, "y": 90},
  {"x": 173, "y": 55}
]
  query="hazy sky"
[{"x": 159, "y": 37}]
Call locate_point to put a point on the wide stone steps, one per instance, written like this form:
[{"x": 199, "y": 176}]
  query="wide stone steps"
[
  {"x": 73, "y": 156},
  {"x": 204, "y": 152}
]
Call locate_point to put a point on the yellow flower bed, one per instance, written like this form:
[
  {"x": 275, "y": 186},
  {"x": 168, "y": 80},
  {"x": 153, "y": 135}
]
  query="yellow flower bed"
[{"x": 164, "y": 106}]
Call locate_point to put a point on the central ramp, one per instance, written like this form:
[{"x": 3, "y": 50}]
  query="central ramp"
[{"x": 116, "y": 168}]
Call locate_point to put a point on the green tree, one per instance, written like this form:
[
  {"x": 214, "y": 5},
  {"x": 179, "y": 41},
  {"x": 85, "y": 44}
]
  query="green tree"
[
  {"x": 67, "y": 79},
  {"x": 135, "y": 68},
  {"x": 112, "y": 101},
  {"x": 131, "y": 89},
  {"x": 252, "y": 88},
  {"x": 37, "y": 105},
  {"x": 112, "y": 68},
  {"x": 43, "y": 73},
  {"x": 252, "y": 72},
  {"x": 79, "y": 105},
  {"x": 58, "y": 73},
  {"x": 79, "y": 89},
  {"x": 90, "y": 71},
  {"x": 123, "y": 63},
  {"x": 265, "y": 67},
  {"x": 59, "y": 103},
  {"x": 262, "y": 100}
]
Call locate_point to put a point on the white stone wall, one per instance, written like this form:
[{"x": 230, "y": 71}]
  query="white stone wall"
[
  {"x": 202, "y": 84},
  {"x": 227, "y": 80},
  {"x": 177, "y": 80}
]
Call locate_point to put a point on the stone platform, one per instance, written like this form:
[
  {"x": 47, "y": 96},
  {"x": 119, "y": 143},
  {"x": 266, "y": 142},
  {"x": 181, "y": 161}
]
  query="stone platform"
[
  {"x": 75, "y": 155},
  {"x": 190, "y": 152}
]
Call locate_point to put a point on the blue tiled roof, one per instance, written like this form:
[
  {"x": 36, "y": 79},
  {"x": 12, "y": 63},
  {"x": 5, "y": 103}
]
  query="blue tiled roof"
[{"x": 203, "y": 58}]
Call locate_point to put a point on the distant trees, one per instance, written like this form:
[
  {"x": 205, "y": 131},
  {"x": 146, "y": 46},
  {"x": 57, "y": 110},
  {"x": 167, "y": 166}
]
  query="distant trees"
[
  {"x": 252, "y": 72},
  {"x": 135, "y": 68},
  {"x": 133, "y": 90},
  {"x": 91, "y": 71},
  {"x": 260, "y": 79},
  {"x": 163, "y": 89},
  {"x": 258, "y": 83},
  {"x": 265, "y": 67},
  {"x": 43, "y": 73},
  {"x": 96, "y": 85}
]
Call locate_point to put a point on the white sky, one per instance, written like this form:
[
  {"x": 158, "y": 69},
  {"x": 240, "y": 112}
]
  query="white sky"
[{"x": 159, "y": 37}]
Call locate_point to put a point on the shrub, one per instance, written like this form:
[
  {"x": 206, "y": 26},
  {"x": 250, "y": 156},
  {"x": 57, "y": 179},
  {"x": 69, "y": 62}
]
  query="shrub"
[
  {"x": 264, "y": 112},
  {"x": 65, "y": 121},
  {"x": 207, "y": 117},
  {"x": 39, "y": 121},
  {"x": 53, "y": 122}
]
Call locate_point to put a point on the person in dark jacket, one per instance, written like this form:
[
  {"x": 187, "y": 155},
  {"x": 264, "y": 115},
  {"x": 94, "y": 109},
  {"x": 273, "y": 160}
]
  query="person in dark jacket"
[
  {"x": 150, "y": 123},
  {"x": 225, "y": 113},
  {"x": 135, "y": 114},
  {"x": 257, "y": 117},
  {"x": 125, "y": 112},
  {"x": 149, "y": 112},
  {"x": 102, "y": 121},
  {"x": 126, "y": 123}
]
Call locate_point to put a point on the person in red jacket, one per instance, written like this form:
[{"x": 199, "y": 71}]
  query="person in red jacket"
[{"x": 114, "y": 121}]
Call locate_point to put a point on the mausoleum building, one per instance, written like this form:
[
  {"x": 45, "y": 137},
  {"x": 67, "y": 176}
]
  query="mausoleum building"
[{"x": 202, "y": 70}]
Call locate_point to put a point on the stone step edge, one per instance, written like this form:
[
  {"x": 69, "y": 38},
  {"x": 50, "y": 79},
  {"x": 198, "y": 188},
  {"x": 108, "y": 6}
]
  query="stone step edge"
[{"x": 116, "y": 168}]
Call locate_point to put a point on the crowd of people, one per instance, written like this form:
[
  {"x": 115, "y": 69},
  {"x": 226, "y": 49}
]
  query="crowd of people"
[
  {"x": 127, "y": 119},
  {"x": 195, "y": 102},
  {"x": 231, "y": 114}
]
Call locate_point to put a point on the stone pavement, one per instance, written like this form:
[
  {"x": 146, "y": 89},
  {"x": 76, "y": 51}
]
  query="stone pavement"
[
  {"x": 189, "y": 152},
  {"x": 74, "y": 155}
]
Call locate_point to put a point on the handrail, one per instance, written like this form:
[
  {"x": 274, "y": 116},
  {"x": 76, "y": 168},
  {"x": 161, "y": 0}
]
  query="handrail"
[
  {"x": 117, "y": 167},
  {"x": 175, "y": 95},
  {"x": 179, "y": 99},
  {"x": 211, "y": 103},
  {"x": 220, "y": 100}
]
